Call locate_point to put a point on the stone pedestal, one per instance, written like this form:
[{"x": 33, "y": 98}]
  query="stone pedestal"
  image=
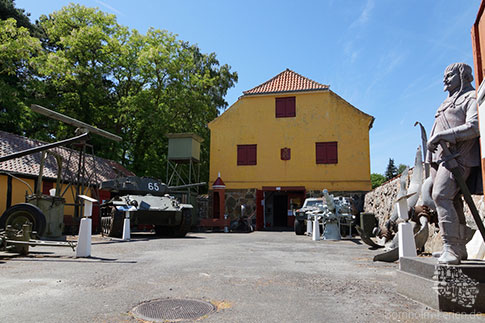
[{"x": 448, "y": 288}]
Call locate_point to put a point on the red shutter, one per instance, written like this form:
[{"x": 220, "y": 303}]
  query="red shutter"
[
  {"x": 241, "y": 155},
  {"x": 246, "y": 154},
  {"x": 280, "y": 107},
  {"x": 251, "y": 155},
  {"x": 320, "y": 152},
  {"x": 326, "y": 152},
  {"x": 285, "y": 107},
  {"x": 332, "y": 157},
  {"x": 290, "y": 107}
]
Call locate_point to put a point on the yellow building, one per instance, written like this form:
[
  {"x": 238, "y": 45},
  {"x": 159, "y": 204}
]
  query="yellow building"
[{"x": 285, "y": 139}]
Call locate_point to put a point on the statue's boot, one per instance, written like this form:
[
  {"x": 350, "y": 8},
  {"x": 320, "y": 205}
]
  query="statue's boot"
[
  {"x": 465, "y": 235},
  {"x": 453, "y": 248},
  {"x": 448, "y": 255}
]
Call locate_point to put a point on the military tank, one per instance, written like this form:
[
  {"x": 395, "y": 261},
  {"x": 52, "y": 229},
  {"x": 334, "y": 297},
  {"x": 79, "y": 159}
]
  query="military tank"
[{"x": 153, "y": 203}]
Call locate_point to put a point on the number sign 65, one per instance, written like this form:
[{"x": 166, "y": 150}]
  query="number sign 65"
[{"x": 153, "y": 186}]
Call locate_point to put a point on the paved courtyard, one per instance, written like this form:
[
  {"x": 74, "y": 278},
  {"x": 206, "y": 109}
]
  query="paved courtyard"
[{"x": 257, "y": 277}]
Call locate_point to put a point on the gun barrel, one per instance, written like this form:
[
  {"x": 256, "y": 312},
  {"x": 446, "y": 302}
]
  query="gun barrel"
[{"x": 186, "y": 186}]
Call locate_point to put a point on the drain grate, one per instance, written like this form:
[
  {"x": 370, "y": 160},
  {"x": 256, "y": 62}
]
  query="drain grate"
[{"x": 172, "y": 310}]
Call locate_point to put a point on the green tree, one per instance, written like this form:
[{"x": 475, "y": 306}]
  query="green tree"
[
  {"x": 391, "y": 170},
  {"x": 401, "y": 168},
  {"x": 75, "y": 69},
  {"x": 8, "y": 10},
  {"x": 17, "y": 49},
  {"x": 377, "y": 179},
  {"x": 140, "y": 87}
]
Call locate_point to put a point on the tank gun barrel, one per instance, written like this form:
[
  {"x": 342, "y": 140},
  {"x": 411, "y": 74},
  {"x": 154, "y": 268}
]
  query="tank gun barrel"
[{"x": 186, "y": 186}]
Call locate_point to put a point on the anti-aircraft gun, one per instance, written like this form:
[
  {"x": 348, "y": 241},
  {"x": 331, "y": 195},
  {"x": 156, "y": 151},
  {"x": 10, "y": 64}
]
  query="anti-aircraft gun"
[
  {"x": 152, "y": 202},
  {"x": 335, "y": 214}
]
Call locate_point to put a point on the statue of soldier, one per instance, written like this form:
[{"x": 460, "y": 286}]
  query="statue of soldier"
[{"x": 456, "y": 124}]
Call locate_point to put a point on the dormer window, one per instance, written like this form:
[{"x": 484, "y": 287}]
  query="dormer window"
[{"x": 285, "y": 107}]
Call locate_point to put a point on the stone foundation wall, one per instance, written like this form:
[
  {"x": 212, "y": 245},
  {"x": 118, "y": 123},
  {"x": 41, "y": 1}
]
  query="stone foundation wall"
[
  {"x": 234, "y": 200},
  {"x": 203, "y": 206},
  {"x": 380, "y": 201}
]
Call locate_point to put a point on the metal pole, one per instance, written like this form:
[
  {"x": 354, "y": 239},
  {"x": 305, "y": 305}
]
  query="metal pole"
[{"x": 41, "y": 148}]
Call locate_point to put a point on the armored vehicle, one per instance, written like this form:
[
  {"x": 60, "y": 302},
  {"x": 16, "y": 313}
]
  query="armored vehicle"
[
  {"x": 153, "y": 203},
  {"x": 310, "y": 206}
]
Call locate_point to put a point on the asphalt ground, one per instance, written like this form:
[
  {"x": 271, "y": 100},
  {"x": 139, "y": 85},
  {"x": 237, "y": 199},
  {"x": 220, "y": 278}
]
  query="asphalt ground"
[{"x": 256, "y": 277}]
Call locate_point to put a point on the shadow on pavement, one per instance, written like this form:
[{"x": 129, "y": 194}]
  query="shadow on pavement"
[
  {"x": 94, "y": 260},
  {"x": 355, "y": 240},
  {"x": 142, "y": 237}
]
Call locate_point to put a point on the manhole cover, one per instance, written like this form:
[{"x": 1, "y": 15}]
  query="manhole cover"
[{"x": 172, "y": 310}]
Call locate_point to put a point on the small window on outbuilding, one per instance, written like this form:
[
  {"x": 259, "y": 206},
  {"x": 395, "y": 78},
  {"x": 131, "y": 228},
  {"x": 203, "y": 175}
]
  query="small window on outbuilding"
[
  {"x": 326, "y": 152},
  {"x": 246, "y": 155},
  {"x": 285, "y": 107}
]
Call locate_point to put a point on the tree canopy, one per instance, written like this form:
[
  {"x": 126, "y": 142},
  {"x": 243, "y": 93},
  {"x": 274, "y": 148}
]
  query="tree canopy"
[
  {"x": 401, "y": 168},
  {"x": 377, "y": 179},
  {"x": 391, "y": 170},
  {"x": 87, "y": 66}
]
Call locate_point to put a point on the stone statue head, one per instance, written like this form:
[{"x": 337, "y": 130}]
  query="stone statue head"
[{"x": 457, "y": 76}]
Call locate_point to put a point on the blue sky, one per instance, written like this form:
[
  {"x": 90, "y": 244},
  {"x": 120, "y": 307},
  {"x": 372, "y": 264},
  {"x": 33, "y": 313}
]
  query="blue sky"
[{"x": 384, "y": 57}]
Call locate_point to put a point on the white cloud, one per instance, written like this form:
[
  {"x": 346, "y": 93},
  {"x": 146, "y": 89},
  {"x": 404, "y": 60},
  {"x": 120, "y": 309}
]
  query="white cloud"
[
  {"x": 107, "y": 6},
  {"x": 364, "y": 15},
  {"x": 386, "y": 65}
]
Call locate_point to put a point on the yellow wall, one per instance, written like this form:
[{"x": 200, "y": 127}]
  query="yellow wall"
[
  {"x": 19, "y": 189},
  {"x": 69, "y": 196},
  {"x": 18, "y": 193},
  {"x": 320, "y": 117},
  {"x": 3, "y": 193}
]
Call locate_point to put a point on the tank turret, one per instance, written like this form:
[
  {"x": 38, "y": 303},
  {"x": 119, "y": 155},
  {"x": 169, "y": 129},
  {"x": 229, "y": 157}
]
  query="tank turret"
[
  {"x": 153, "y": 202},
  {"x": 135, "y": 185},
  {"x": 140, "y": 186}
]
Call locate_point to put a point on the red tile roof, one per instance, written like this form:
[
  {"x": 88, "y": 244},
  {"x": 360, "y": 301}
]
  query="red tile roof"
[
  {"x": 287, "y": 81},
  {"x": 29, "y": 165}
]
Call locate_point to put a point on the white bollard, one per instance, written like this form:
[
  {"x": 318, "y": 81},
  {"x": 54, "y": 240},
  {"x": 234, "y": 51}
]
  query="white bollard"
[
  {"x": 407, "y": 246},
  {"x": 316, "y": 230},
  {"x": 126, "y": 235},
  {"x": 126, "y": 227},
  {"x": 83, "y": 248}
]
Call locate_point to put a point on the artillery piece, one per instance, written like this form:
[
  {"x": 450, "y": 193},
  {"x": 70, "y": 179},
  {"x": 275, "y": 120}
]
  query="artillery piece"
[
  {"x": 334, "y": 212},
  {"x": 46, "y": 213},
  {"x": 153, "y": 203}
]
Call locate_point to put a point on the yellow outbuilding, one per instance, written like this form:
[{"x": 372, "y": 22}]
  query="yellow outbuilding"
[{"x": 285, "y": 139}]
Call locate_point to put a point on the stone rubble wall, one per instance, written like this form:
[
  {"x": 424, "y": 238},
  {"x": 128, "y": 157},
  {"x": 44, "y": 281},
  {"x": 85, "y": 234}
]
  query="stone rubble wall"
[
  {"x": 234, "y": 199},
  {"x": 203, "y": 206},
  {"x": 380, "y": 201}
]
